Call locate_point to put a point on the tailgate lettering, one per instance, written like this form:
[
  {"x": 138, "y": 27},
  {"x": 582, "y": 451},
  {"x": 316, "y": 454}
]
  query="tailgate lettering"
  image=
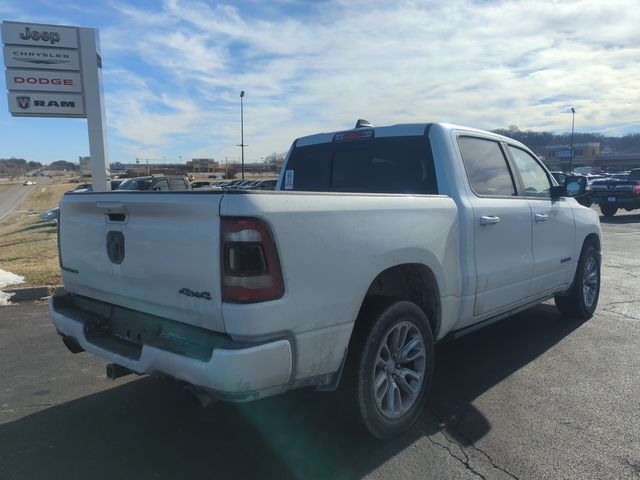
[{"x": 191, "y": 293}]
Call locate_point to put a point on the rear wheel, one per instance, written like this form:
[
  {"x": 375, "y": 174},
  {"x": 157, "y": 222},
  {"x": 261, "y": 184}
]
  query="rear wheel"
[
  {"x": 394, "y": 369},
  {"x": 608, "y": 210},
  {"x": 583, "y": 297}
]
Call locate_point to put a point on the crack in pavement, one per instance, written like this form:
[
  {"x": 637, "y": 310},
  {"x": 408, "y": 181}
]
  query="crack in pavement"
[
  {"x": 631, "y": 317},
  {"x": 621, "y": 302},
  {"x": 464, "y": 462},
  {"x": 633, "y": 465},
  {"x": 456, "y": 430}
]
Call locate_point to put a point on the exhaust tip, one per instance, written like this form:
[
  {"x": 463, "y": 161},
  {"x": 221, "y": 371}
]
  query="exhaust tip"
[
  {"x": 115, "y": 371},
  {"x": 199, "y": 396},
  {"x": 72, "y": 344}
]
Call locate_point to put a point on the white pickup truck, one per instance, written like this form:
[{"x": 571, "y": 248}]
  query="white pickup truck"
[{"x": 377, "y": 243}]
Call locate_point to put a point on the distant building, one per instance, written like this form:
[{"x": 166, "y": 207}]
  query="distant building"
[
  {"x": 557, "y": 157},
  {"x": 204, "y": 165},
  {"x": 85, "y": 166},
  {"x": 617, "y": 162}
]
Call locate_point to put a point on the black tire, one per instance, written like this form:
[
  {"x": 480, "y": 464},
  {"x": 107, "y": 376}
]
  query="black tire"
[
  {"x": 399, "y": 381},
  {"x": 608, "y": 210},
  {"x": 585, "y": 290}
]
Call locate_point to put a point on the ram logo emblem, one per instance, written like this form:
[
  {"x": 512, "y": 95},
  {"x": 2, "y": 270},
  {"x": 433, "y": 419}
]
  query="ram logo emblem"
[{"x": 115, "y": 247}]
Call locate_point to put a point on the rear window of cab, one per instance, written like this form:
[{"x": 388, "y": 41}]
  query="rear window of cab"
[{"x": 370, "y": 165}]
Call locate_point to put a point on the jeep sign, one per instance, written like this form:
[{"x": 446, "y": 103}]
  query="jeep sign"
[
  {"x": 39, "y": 35},
  {"x": 56, "y": 71}
]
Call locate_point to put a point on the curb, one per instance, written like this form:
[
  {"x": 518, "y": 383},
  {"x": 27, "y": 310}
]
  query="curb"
[{"x": 32, "y": 293}]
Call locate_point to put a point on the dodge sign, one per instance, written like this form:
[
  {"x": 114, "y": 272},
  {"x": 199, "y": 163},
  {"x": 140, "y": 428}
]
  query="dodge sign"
[{"x": 45, "y": 80}]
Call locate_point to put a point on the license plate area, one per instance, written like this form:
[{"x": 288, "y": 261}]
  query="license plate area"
[{"x": 611, "y": 199}]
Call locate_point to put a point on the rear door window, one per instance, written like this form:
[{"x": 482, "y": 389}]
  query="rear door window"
[
  {"x": 162, "y": 185},
  {"x": 177, "y": 184},
  {"x": 373, "y": 165},
  {"x": 534, "y": 178},
  {"x": 487, "y": 167}
]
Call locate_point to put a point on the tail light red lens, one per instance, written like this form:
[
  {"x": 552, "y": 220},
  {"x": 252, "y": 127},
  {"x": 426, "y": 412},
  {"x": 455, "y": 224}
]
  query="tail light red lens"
[
  {"x": 636, "y": 190},
  {"x": 250, "y": 267}
]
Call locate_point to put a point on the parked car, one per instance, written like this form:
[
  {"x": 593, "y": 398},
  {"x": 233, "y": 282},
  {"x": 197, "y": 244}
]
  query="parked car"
[
  {"x": 618, "y": 176},
  {"x": 83, "y": 187},
  {"x": 156, "y": 183},
  {"x": 28, "y": 183},
  {"x": 115, "y": 183},
  {"x": 200, "y": 184},
  {"x": 613, "y": 193},
  {"x": 51, "y": 215},
  {"x": 264, "y": 185},
  {"x": 379, "y": 243}
]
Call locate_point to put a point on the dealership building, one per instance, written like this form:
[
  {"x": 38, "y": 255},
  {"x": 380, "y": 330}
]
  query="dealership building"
[{"x": 558, "y": 158}]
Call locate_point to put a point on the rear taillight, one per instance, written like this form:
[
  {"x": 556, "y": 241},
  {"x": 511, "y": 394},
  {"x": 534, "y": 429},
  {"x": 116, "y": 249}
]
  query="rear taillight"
[
  {"x": 58, "y": 238},
  {"x": 250, "y": 268},
  {"x": 636, "y": 190}
]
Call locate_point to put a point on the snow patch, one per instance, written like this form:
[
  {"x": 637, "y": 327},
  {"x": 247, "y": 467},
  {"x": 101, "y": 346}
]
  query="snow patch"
[{"x": 6, "y": 279}]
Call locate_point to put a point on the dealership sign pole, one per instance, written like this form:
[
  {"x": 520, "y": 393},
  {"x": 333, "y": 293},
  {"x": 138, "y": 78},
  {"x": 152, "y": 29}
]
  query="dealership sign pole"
[{"x": 56, "y": 71}]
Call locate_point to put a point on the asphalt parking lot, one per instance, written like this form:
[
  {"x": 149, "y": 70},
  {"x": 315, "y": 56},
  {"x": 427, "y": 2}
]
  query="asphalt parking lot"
[{"x": 533, "y": 396}]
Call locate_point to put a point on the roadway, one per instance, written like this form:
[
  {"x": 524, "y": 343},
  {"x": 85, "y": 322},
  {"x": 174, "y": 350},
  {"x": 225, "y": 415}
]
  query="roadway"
[
  {"x": 13, "y": 196},
  {"x": 533, "y": 396}
]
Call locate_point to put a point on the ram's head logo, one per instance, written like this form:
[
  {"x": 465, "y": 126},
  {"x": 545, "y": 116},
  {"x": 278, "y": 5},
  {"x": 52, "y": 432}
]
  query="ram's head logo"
[
  {"x": 23, "y": 102},
  {"x": 115, "y": 247}
]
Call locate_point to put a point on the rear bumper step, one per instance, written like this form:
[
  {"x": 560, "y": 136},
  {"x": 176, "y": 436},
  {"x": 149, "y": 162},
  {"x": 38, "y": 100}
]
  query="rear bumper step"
[{"x": 142, "y": 344}]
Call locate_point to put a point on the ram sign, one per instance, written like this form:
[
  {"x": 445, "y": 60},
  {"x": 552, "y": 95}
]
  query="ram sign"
[
  {"x": 43, "y": 75},
  {"x": 56, "y": 71}
]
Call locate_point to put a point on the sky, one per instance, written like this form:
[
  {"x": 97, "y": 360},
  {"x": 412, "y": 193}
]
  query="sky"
[{"x": 173, "y": 71}]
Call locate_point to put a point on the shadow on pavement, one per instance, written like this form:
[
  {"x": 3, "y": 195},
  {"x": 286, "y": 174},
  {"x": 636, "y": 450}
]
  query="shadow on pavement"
[
  {"x": 147, "y": 429},
  {"x": 471, "y": 365}
]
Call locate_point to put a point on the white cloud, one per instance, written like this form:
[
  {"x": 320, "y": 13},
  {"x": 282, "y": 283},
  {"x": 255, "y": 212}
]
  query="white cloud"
[{"x": 486, "y": 64}]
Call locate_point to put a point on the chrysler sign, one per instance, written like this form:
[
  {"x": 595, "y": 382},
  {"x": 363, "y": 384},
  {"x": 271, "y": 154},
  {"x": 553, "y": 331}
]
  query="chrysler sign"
[
  {"x": 56, "y": 71},
  {"x": 44, "y": 75},
  {"x": 41, "y": 57}
]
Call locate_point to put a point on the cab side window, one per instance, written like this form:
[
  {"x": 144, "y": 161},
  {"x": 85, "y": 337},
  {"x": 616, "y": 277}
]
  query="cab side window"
[
  {"x": 162, "y": 185},
  {"x": 177, "y": 184},
  {"x": 535, "y": 179},
  {"x": 486, "y": 167}
]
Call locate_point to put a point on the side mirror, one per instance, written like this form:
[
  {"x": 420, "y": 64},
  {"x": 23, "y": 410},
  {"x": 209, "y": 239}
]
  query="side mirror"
[
  {"x": 575, "y": 185},
  {"x": 557, "y": 191}
]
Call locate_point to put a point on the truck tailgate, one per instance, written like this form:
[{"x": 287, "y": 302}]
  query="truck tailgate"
[{"x": 153, "y": 252}]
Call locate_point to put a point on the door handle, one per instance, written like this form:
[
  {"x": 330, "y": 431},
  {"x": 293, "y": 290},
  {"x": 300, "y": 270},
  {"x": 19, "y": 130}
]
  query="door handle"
[
  {"x": 488, "y": 220},
  {"x": 541, "y": 217},
  {"x": 111, "y": 207}
]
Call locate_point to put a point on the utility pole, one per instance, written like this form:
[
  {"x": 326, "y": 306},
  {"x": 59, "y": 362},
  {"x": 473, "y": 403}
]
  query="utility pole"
[
  {"x": 242, "y": 145},
  {"x": 573, "y": 119}
]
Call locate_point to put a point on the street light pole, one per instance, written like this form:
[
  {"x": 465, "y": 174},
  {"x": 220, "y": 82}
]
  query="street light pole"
[
  {"x": 242, "y": 130},
  {"x": 573, "y": 121}
]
